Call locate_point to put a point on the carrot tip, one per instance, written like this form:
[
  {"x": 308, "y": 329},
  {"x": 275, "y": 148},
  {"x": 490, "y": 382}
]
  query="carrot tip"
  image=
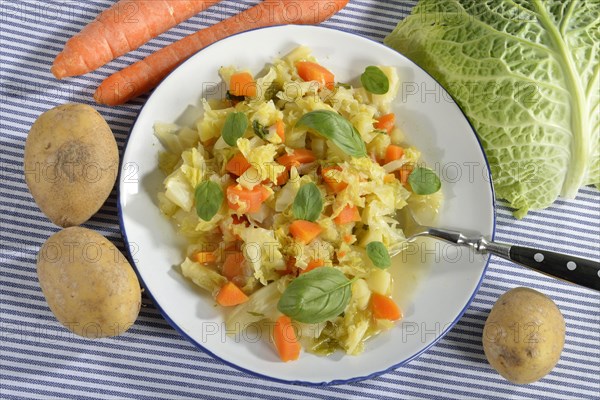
[{"x": 58, "y": 72}]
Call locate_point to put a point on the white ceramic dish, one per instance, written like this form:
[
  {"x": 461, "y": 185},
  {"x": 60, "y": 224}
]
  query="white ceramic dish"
[{"x": 431, "y": 121}]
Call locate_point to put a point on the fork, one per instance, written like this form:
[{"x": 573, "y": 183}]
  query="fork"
[{"x": 577, "y": 270}]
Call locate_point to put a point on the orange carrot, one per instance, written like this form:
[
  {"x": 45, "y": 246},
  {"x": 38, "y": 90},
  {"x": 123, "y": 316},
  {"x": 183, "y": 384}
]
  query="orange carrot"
[
  {"x": 123, "y": 27},
  {"x": 242, "y": 84},
  {"x": 305, "y": 231},
  {"x": 347, "y": 215},
  {"x": 386, "y": 122},
  {"x": 283, "y": 177},
  {"x": 297, "y": 157},
  {"x": 384, "y": 307},
  {"x": 264, "y": 193},
  {"x": 247, "y": 199},
  {"x": 285, "y": 340},
  {"x": 393, "y": 152},
  {"x": 280, "y": 129},
  {"x": 310, "y": 71},
  {"x": 233, "y": 265},
  {"x": 144, "y": 75},
  {"x": 312, "y": 264},
  {"x": 204, "y": 257},
  {"x": 404, "y": 172},
  {"x": 230, "y": 295},
  {"x": 348, "y": 238},
  {"x": 332, "y": 180},
  {"x": 237, "y": 165}
]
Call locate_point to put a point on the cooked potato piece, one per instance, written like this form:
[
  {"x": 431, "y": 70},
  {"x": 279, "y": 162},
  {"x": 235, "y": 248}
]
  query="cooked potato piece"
[
  {"x": 524, "y": 335},
  {"x": 71, "y": 163},
  {"x": 88, "y": 284}
]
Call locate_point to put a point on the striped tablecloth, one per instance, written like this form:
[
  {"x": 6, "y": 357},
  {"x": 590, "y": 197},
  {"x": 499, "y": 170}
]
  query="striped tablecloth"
[{"x": 40, "y": 359}]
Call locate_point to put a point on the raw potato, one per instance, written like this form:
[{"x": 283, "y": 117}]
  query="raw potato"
[
  {"x": 71, "y": 163},
  {"x": 524, "y": 335},
  {"x": 88, "y": 284}
]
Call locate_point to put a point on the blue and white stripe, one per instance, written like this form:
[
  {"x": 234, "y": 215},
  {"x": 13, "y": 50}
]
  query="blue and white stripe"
[{"x": 40, "y": 359}]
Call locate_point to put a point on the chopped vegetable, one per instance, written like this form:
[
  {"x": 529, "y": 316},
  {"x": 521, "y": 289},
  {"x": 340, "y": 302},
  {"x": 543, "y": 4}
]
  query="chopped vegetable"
[
  {"x": 331, "y": 176},
  {"x": 389, "y": 178},
  {"x": 393, "y": 152},
  {"x": 245, "y": 200},
  {"x": 204, "y": 277},
  {"x": 305, "y": 231},
  {"x": 280, "y": 129},
  {"x": 384, "y": 307},
  {"x": 348, "y": 214},
  {"x": 297, "y": 157},
  {"x": 310, "y": 71},
  {"x": 237, "y": 165},
  {"x": 233, "y": 265},
  {"x": 284, "y": 338},
  {"x": 242, "y": 84},
  {"x": 313, "y": 264},
  {"x": 230, "y": 295},
  {"x": 386, "y": 122},
  {"x": 404, "y": 172}
]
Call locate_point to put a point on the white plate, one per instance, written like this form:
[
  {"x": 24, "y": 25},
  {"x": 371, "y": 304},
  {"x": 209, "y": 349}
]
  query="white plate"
[{"x": 431, "y": 121}]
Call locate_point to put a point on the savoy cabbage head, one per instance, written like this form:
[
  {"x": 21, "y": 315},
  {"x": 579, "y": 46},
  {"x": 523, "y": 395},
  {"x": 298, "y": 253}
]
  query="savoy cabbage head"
[{"x": 526, "y": 74}]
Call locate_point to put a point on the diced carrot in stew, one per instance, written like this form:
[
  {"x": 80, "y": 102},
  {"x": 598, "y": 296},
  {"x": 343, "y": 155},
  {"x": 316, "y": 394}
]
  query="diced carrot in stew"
[
  {"x": 312, "y": 264},
  {"x": 280, "y": 129},
  {"x": 297, "y": 157},
  {"x": 237, "y": 165},
  {"x": 231, "y": 295},
  {"x": 393, "y": 152},
  {"x": 305, "y": 231},
  {"x": 332, "y": 180},
  {"x": 233, "y": 265},
  {"x": 386, "y": 122},
  {"x": 383, "y": 307},
  {"x": 249, "y": 200},
  {"x": 310, "y": 71},
  {"x": 242, "y": 84},
  {"x": 347, "y": 215},
  {"x": 285, "y": 340},
  {"x": 404, "y": 172}
]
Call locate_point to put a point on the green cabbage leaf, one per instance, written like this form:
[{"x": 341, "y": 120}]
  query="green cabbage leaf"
[{"x": 525, "y": 72}]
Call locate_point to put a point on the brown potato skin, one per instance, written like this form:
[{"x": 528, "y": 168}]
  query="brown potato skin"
[
  {"x": 88, "y": 284},
  {"x": 524, "y": 335},
  {"x": 71, "y": 163}
]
